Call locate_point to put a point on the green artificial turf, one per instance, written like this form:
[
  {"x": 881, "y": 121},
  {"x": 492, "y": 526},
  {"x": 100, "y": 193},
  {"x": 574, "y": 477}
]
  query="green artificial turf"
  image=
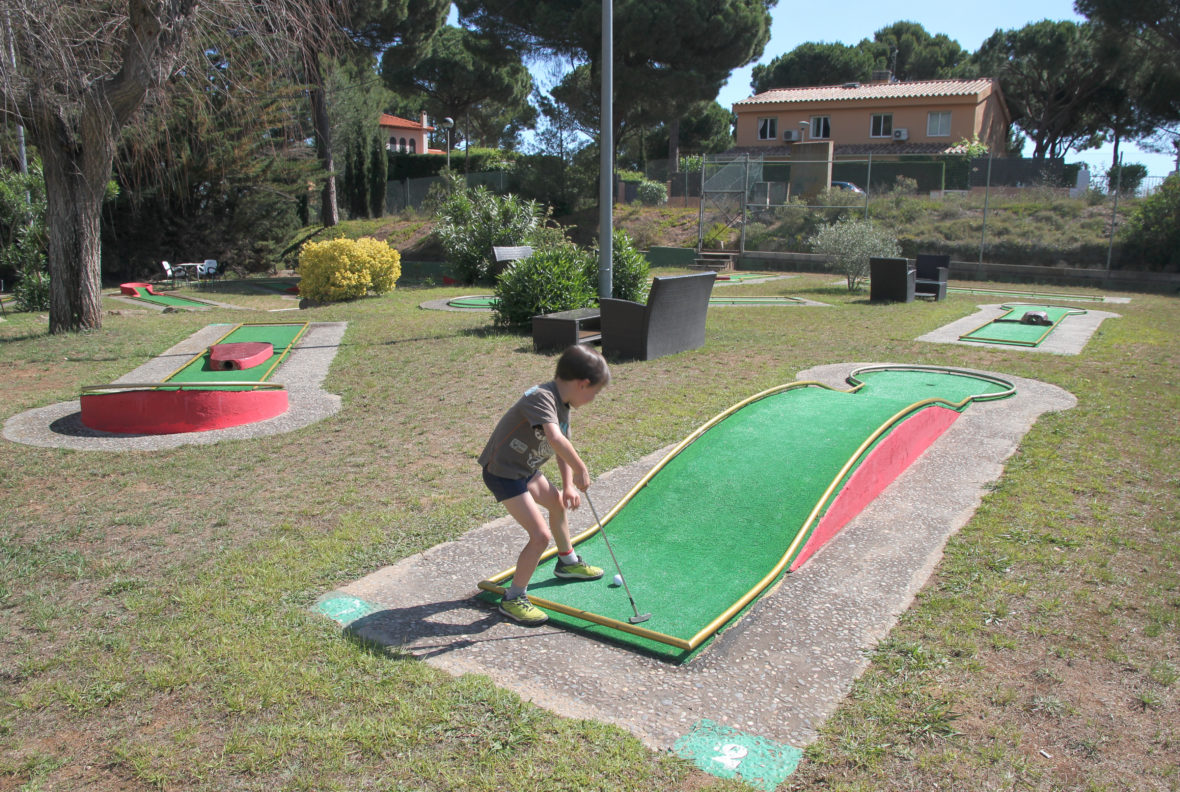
[
  {"x": 166, "y": 299},
  {"x": 280, "y": 336},
  {"x": 475, "y": 301},
  {"x": 720, "y": 514},
  {"x": 1008, "y": 329}
]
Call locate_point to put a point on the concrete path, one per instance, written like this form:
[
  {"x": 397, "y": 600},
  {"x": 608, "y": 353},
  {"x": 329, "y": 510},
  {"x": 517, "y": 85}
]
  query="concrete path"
[{"x": 778, "y": 673}]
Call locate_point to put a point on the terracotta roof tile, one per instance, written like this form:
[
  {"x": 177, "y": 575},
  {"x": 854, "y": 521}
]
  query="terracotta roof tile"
[
  {"x": 388, "y": 120},
  {"x": 896, "y": 90}
]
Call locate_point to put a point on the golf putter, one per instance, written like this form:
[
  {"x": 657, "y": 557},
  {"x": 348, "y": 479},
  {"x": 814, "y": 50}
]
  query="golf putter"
[{"x": 638, "y": 617}]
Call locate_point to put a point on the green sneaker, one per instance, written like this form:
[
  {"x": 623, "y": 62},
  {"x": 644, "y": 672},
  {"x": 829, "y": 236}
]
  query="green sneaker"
[
  {"x": 523, "y": 611},
  {"x": 579, "y": 570}
]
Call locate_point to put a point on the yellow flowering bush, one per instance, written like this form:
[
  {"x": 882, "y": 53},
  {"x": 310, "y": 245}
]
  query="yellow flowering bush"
[{"x": 345, "y": 269}]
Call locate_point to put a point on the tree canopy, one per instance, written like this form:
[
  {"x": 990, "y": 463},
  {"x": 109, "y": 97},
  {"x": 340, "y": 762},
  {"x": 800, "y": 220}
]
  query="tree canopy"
[
  {"x": 1156, "y": 23},
  {"x": 669, "y": 55},
  {"x": 814, "y": 64},
  {"x": 83, "y": 72},
  {"x": 911, "y": 53},
  {"x": 905, "y": 49},
  {"x": 1053, "y": 75},
  {"x": 462, "y": 73}
]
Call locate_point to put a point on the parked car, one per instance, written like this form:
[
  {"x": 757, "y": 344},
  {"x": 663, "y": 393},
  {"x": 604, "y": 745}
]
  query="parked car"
[{"x": 849, "y": 186}]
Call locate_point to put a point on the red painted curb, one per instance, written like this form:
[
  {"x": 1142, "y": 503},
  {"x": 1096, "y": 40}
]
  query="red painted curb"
[
  {"x": 888, "y": 459},
  {"x": 240, "y": 355},
  {"x": 153, "y": 412}
]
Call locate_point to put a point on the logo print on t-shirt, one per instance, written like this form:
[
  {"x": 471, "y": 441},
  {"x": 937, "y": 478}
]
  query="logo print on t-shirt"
[{"x": 543, "y": 450}]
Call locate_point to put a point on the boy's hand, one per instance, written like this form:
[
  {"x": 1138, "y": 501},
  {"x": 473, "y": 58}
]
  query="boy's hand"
[
  {"x": 571, "y": 498},
  {"x": 582, "y": 478}
]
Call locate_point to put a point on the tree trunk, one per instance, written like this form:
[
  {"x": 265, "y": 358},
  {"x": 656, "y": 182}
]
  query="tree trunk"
[
  {"x": 76, "y": 177},
  {"x": 329, "y": 212}
]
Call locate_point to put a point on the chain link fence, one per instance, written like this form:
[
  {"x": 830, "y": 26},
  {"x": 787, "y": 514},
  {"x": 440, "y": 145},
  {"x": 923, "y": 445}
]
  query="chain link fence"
[{"x": 750, "y": 204}]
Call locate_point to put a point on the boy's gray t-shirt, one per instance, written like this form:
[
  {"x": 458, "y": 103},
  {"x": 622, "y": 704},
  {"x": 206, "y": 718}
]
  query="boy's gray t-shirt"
[{"x": 518, "y": 446}]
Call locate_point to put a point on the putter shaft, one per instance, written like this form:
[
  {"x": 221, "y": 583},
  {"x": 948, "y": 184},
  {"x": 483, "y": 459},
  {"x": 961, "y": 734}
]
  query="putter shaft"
[{"x": 637, "y": 618}]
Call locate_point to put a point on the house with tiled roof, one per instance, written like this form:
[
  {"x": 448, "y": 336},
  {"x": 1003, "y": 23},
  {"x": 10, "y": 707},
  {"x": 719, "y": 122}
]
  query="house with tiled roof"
[
  {"x": 885, "y": 118},
  {"x": 405, "y": 136}
]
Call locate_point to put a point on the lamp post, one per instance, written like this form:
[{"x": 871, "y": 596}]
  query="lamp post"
[
  {"x": 446, "y": 124},
  {"x": 606, "y": 152}
]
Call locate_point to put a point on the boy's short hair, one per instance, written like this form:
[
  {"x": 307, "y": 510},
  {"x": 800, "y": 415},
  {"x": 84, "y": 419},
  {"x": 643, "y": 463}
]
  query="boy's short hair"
[{"x": 581, "y": 362}]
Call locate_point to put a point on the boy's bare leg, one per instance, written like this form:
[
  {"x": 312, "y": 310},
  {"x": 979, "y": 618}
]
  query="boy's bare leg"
[
  {"x": 549, "y": 496},
  {"x": 526, "y": 512}
]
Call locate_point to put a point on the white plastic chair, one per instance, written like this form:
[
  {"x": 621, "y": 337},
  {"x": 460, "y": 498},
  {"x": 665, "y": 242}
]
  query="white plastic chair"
[
  {"x": 172, "y": 272},
  {"x": 208, "y": 270}
]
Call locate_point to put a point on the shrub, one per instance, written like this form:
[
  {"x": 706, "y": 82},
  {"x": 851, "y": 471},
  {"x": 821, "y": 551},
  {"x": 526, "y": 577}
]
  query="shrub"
[
  {"x": 716, "y": 236},
  {"x": 1127, "y": 177},
  {"x": 849, "y": 243},
  {"x": 32, "y": 289},
  {"x": 652, "y": 193},
  {"x": 23, "y": 237},
  {"x": 629, "y": 270},
  {"x": 471, "y": 222},
  {"x": 345, "y": 269},
  {"x": 552, "y": 279},
  {"x": 1151, "y": 235}
]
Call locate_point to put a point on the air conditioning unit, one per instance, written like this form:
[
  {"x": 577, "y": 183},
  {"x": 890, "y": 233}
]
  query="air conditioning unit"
[
  {"x": 901, "y": 133},
  {"x": 792, "y": 135}
]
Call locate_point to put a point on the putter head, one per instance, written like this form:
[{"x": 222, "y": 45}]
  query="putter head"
[{"x": 642, "y": 617}]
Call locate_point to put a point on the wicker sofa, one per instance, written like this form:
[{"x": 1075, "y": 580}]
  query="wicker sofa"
[{"x": 672, "y": 321}]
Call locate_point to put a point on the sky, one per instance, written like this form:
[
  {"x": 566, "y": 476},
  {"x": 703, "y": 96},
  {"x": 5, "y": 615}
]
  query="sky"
[{"x": 853, "y": 20}]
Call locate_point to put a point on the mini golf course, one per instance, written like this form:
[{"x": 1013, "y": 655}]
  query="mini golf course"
[
  {"x": 225, "y": 385},
  {"x": 488, "y": 301},
  {"x": 144, "y": 292},
  {"x": 750, "y": 495},
  {"x": 1011, "y": 329}
]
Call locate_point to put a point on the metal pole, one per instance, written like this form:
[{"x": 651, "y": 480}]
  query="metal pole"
[
  {"x": 986, "y": 193},
  {"x": 745, "y": 202},
  {"x": 606, "y": 155},
  {"x": 1118, "y": 183},
  {"x": 868, "y": 184},
  {"x": 701, "y": 209}
]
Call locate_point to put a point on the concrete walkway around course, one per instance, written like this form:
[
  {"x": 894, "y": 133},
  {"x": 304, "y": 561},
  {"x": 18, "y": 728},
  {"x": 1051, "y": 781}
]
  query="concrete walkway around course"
[
  {"x": 303, "y": 372},
  {"x": 778, "y": 673},
  {"x": 1067, "y": 338}
]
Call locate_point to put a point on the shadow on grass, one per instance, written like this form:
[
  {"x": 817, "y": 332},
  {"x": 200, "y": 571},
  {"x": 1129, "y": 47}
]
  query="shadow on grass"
[{"x": 392, "y": 629}]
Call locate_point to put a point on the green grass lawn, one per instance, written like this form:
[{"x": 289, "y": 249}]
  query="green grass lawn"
[{"x": 155, "y": 634}]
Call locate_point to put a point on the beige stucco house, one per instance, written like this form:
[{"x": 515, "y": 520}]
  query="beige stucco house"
[
  {"x": 884, "y": 118},
  {"x": 407, "y": 137}
]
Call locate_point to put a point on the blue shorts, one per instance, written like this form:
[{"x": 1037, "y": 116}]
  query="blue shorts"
[{"x": 505, "y": 488}]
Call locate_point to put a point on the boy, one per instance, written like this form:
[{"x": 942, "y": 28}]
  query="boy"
[{"x": 534, "y": 429}]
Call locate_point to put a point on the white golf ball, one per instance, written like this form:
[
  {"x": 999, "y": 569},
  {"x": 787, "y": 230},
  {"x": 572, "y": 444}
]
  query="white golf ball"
[{"x": 618, "y": 580}]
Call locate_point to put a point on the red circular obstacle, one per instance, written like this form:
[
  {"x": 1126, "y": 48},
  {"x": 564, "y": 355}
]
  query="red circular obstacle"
[{"x": 150, "y": 411}]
